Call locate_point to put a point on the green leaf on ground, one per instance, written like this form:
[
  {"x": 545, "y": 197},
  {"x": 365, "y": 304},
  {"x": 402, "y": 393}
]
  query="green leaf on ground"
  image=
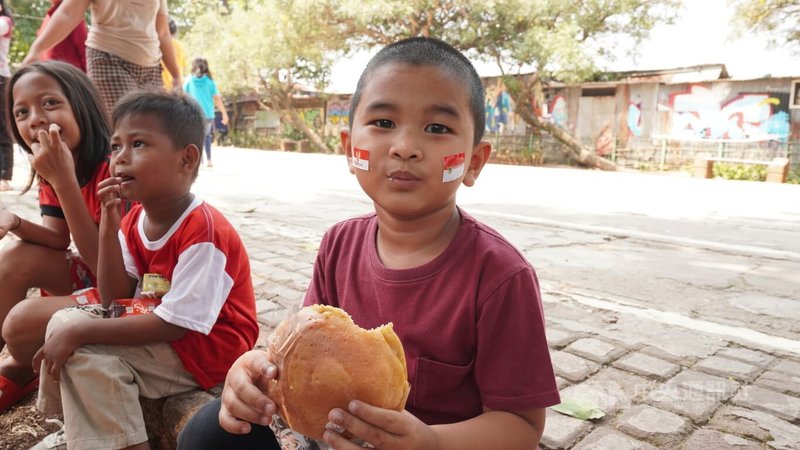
[{"x": 580, "y": 409}]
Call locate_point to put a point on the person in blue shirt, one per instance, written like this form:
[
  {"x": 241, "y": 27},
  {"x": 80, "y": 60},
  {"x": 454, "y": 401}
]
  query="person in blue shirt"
[{"x": 201, "y": 86}]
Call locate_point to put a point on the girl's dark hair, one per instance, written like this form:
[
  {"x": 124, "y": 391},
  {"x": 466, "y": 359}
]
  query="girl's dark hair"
[
  {"x": 200, "y": 68},
  {"x": 89, "y": 112},
  {"x": 425, "y": 51},
  {"x": 6, "y": 11}
]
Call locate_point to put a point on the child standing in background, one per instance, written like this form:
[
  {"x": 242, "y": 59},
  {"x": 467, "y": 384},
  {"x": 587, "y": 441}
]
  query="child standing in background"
[
  {"x": 202, "y": 88},
  {"x": 56, "y": 115}
]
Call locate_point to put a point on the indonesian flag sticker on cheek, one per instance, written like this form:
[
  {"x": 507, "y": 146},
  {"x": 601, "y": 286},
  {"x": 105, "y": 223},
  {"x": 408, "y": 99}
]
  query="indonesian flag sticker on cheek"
[
  {"x": 360, "y": 159},
  {"x": 453, "y": 167}
]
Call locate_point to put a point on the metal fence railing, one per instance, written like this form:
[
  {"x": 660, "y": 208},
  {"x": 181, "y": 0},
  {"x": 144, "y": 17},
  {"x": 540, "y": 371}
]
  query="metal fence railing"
[{"x": 656, "y": 153}]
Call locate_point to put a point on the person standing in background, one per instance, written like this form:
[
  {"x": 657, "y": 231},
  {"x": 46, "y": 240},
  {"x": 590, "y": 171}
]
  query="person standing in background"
[
  {"x": 6, "y": 149},
  {"x": 72, "y": 49},
  {"x": 180, "y": 55},
  {"x": 202, "y": 88},
  {"x": 125, "y": 43}
]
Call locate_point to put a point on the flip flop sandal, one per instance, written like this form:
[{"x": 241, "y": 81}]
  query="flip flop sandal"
[{"x": 11, "y": 393}]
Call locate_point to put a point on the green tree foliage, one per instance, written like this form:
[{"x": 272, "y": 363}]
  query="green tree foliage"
[
  {"x": 274, "y": 45},
  {"x": 273, "y": 48},
  {"x": 555, "y": 40},
  {"x": 779, "y": 18},
  {"x": 28, "y": 16}
]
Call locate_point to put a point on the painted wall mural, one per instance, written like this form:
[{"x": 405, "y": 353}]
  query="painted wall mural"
[
  {"x": 499, "y": 109},
  {"x": 635, "y": 118},
  {"x": 337, "y": 114},
  {"x": 557, "y": 111},
  {"x": 699, "y": 113}
]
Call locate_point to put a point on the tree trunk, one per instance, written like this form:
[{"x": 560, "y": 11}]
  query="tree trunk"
[
  {"x": 312, "y": 135},
  {"x": 570, "y": 146}
]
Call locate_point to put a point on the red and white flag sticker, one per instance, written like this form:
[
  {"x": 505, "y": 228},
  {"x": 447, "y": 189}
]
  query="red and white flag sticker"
[
  {"x": 360, "y": 159},
  {"x": 453, "y": 167}
]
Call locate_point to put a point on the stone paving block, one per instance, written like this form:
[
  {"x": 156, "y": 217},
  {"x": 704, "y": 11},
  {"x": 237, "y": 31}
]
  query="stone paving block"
[
  {"x": 265, "y": 306},
  {"x": 646, "y": 365},
  {"x": 781, "y": 405},
  {"x": 561, "y": 383},
  {"x": 273, "y": 317},
  {"x": 606, "y": 439},
  {"x": 694, "y": 405},
  {"x": 757, "y": 358},
  {"x": 595, "y": 349},
  {"x": 719, "y": 388},
  {"x": 562, "y": 431},
  {"x": 781, "y": 382},
  {"x": 787, "y": 366},
  {"x": 573, "y": 368},
  {"x": 717, "y": 365},
  {"x": 610, "y": 390},
  {"x": 558, "y": 338},
  {"x": 716, "y": 440},
  {"x": 285, "y": 295},
  {"x": 757, "y": 425},
  {"x": 290, "y": 264},
  {"x": 662, "y": 428}
]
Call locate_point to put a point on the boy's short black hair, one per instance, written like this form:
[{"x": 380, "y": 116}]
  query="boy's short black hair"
[
  {"x": 180, "y": 116},
  {"x": 425, "y": 51}
]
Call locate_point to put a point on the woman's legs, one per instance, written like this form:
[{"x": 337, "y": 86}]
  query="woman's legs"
[
  {"x": 204, "y": 432},
  {"x": 207, "y": 140}
]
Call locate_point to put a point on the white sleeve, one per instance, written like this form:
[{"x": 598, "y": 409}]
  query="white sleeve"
[
  {"x": 130, "y": 264},
  {"x": 199, "y": 288}
]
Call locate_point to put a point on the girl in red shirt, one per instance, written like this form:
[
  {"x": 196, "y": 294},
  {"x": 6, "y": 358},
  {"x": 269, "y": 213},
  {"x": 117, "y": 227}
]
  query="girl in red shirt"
[{"x": 55, "y": 115}]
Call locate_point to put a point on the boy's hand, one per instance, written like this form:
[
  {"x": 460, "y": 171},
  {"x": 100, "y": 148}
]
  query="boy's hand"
[
  {"x": 57, "y": 349},
  {"x": 383, "y": 428},
  {"x": 108, "y": 193},
  {"x": 52, "y": 159},
  {"x": 243, "y": 397}
]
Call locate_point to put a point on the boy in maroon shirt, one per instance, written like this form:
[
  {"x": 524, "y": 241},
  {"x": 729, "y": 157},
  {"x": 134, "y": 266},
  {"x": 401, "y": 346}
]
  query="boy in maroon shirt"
[{"x": 464, "y": 302}]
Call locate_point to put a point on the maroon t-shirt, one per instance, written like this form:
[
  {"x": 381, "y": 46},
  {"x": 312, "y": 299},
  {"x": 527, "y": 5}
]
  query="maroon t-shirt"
[{"x": 471, "y": 320}]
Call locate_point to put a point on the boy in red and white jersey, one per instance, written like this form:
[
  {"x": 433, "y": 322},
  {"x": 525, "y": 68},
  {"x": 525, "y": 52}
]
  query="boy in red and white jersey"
[{"x": 181, "y": 261}]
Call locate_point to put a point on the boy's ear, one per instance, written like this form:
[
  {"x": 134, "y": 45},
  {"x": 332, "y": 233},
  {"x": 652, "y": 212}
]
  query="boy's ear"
[
  {"x": 347, "y": 148},
  {"x": 479, "y": 158},
  {"x": 190, "y": 157}
]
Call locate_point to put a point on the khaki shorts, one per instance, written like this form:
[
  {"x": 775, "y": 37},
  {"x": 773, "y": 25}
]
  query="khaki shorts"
[{"x": 101, "y": 385}]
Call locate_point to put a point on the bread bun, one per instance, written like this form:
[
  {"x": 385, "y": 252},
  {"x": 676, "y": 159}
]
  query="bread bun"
[{"x": 325, "y": 360}]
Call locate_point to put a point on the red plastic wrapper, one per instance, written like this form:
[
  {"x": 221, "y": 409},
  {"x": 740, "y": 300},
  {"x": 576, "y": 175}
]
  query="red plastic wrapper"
[{"x": 133, "y": 306}]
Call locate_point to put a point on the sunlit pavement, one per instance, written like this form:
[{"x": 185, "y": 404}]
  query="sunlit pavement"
[{"x": 672, "y": 303}]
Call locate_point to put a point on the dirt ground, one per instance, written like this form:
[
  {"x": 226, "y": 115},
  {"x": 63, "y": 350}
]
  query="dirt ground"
[{"x": 22, "y": 426}]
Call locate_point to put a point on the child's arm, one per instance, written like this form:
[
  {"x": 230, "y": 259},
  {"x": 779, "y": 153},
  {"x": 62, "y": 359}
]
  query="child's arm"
[
  {"x": 113, "y": 280},
  {"x": 387, "y": 430},
  {"x": 129, "y": 330},
  {"x": 54, "y": 162},
  {"x": 61, "y": 24},
  {"x": 167, "y": 49}
]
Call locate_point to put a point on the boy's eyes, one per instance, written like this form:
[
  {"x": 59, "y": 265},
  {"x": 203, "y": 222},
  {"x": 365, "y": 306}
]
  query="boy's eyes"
[
  {"x": 136, "y": 144},
  {"x": 20, "y": 113},
  {"x": 437, "y": 128},
  {"x": 383, "y": 123}
]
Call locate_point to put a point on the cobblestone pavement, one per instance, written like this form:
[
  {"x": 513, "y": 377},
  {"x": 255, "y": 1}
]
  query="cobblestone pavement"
[{"x": 660, "y": 383}]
